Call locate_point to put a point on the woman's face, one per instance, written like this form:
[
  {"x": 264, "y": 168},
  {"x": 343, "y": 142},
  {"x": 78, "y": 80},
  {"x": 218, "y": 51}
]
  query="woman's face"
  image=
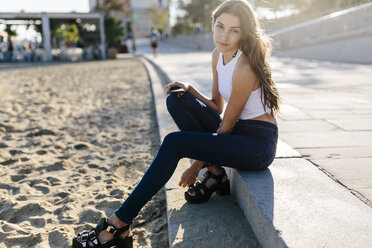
[{"x": 227, "y": 32}]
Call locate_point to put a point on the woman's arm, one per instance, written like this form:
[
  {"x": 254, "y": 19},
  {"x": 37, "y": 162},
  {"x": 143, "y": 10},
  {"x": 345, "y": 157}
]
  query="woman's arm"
[
  {"x": 244, "y": 81},
  {"x": 216, "y": 102}
]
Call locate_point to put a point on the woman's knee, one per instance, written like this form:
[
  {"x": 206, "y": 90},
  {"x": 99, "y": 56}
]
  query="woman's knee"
[
  {"x": 171, "y": 139},
  {"x": 172, "y": 103}
]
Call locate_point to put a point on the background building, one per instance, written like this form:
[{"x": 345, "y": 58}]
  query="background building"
[{"x": 144, "y": 15}]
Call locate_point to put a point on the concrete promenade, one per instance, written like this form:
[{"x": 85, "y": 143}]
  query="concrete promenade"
[{"x": 326, "y": 117}]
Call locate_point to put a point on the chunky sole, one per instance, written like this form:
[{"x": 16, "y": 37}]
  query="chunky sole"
[
  {"x": 223, "y": 189},
  {"x": 126, "y": 242}
]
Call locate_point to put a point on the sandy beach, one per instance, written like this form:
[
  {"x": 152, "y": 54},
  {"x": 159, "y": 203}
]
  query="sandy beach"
[{"x": 75, "y": 139}]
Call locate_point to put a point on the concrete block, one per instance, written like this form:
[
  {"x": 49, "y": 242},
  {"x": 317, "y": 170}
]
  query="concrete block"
[
  {"x": 304, "y": 126},
  {"x": 336, "y": 138},
  {"x": 363, "y": 124},
  {"x": 336, "y": 152},
  {"x": 294, "y": 204}
]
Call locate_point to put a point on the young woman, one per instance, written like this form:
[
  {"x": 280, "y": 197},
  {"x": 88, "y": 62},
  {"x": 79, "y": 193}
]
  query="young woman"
[{"x": 245, "y": 138}]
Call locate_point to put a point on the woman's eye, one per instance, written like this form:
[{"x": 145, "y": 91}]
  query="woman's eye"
[
  {"x": 219, "y": 26},
  {"x": 235, "y": 31}
]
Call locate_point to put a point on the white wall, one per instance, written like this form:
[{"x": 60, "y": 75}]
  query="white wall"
[{"x": 144, "y": 4}]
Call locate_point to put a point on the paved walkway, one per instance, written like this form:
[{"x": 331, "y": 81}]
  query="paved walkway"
[{"x": 326, "y": 113}]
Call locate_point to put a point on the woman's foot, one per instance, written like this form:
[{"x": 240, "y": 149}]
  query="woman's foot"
[
  {"x": 210, "y": 182},
  {"x": 104, "y": 235},
  {"x": 215, "y": 179},
  {"x": 113, "y": 220}
]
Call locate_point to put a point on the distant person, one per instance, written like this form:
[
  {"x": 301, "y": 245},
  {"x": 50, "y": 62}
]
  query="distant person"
[
  {"x": 10, "y": 50},
  {"x": 245, "y": 137},
  {"x": 154, "y": 40}
]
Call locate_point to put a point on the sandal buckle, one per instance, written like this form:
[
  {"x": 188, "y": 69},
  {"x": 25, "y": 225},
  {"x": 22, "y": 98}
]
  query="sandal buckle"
[{"x": 111, "y": 229}]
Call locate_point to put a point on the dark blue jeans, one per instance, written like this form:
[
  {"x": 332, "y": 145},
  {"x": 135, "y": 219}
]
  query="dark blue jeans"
[{"x": 250, "y": 146}]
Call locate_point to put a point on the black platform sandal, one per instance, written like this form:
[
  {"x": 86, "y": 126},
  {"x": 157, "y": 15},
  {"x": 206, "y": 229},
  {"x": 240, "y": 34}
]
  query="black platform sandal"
[
  {"x": 221, "y": 188},
  {"x": 117, "y": 241}
]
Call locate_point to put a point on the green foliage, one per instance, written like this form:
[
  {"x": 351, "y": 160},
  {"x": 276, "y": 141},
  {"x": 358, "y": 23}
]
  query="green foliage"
[
  {"x": 109, "y": 6},
  {"x": 159, "y": 17},
  {"x": 182, "y": 27},
  {"x": 199, "y": 12},
  {"x": 113, "y": 29},
  {"x": 10, "y": 31},
  {"x": 68, "y": 32}
]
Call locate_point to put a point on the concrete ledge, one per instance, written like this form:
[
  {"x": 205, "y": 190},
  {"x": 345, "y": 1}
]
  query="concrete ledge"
[{"x": 292, "y": 204}]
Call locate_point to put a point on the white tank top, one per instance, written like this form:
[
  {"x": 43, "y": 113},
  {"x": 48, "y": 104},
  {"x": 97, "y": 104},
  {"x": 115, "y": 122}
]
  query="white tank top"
[{"x": 254, "y": 106}]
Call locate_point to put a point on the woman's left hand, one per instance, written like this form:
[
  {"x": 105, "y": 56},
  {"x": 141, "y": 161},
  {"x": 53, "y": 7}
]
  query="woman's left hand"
[{"x": 188, "y": 178}]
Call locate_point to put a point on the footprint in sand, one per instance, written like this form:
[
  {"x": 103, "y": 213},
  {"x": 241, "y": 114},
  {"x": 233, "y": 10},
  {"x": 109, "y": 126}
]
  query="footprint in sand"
[
  {"x": 6, "y": 128},
  {"x": 116, "y": 148},
  {"x": 58, "y": 239},
  {"x": 29, "y": 212},
  {"x": 16, "y": 178},
  {"x": 30, "y": 240},
  {"x": 27, "y": 169},
  {"x": 41, "y": 152},
  {"x": 13, "y": 190},
  {"x": 43, "y": 189},
  {"x": 54, "y": 181},
  {"x": 63, "y": 215},
  {"x": 108, "y": 206},
  {"x": 14, "y": 152},
  {"x": 53, "y": 167},
  {"x": 9, "y": 162},
  {"x": 90, "y": 215},
  {"x": 3, "y": 145},
  {"x": 81, "y": 147},
  {"x": 62, "y": 194},
  {"x": 117, "y": 193},
  {"x": 41, "y": 133}
]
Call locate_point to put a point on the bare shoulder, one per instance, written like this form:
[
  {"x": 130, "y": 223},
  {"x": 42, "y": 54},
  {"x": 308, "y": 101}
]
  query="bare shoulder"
[
  {"x": 244, "y": 73},
  {"x": 243, "y": 66},
  {"x": 215, "y": 54}
]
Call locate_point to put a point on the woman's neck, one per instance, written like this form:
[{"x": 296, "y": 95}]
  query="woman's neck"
[{"x": 229, "y": 55}]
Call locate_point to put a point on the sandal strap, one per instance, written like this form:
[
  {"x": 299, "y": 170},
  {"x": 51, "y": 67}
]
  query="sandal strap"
[
  {"x": 201, "y": 185},
  {"x": 104, "y": 225},
  {"x": 84, "y": 239},
  {"x": 218, "y": 178}
]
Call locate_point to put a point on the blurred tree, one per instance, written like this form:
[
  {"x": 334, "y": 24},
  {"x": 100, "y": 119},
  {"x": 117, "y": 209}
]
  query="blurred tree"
[
  {"x": 159, "y": 17},
  {"x": 11, "y": 32},
  {"x": 199, "y": 12},
  {"x": 109, "y": 6},
  {"x": 69, "y": 33},
  {"x": 182, "y": 26},
  {"x": 114, "y": 30}
]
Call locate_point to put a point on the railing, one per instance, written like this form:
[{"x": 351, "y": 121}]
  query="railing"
[{"x": 342, "y": 24}]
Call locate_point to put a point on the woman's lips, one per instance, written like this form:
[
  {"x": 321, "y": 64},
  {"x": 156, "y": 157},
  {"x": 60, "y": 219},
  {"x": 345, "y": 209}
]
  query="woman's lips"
[{"x": 223, "y": 44}]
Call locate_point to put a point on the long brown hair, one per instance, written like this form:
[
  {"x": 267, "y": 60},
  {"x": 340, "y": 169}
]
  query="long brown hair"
[{"x": 255, "y": 45}]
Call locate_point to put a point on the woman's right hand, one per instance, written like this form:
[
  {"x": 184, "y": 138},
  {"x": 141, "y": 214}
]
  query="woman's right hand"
[
  {"x": 184, "y": 86},
  {"x": 188, "y": 177}
]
